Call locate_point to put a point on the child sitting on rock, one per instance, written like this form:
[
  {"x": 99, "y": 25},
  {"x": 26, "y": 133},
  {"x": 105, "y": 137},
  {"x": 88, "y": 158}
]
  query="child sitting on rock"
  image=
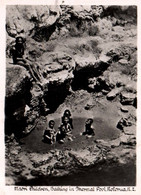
[
  {"x": 89, "y": 130},
  {"x": 67, "y": 114},
  {"x": 50, "y": 133},
  {"x": 65, "y": 131}
]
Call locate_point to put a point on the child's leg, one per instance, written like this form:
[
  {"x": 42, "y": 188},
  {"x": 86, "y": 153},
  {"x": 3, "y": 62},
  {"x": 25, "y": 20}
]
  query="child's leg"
[
  {"x": 69, "y": 136},
  {"x": 54, "y": 138},
  {"x": 61, "y": 137}
]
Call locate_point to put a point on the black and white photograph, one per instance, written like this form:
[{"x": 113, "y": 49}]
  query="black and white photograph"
[{"x": 71, "y": 95}]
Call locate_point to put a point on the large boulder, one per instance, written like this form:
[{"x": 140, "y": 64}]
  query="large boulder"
[
  {"x": 17, "y": 80},
  {"x": 25, "y": 18},
  {"x": 57, "y": 68},
  {"x": 92, "y": 63},
  {"x": 18, "y": 86},
  {"x": 89, "y": 67}
]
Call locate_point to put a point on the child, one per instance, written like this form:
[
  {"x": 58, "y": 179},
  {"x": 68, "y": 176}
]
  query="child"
[
  {"x": 67, "y": 114},
  {"x": 17, "y": 51},
  {"x": 50, "y": 133},
  {"x": 89, "y": 130},
  {"x": 65, "y": 131}
]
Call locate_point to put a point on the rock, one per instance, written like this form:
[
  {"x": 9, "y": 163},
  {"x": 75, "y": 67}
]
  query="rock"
[
  {"x": 131, "y": 130},
  {"x": 25, "y": 19},
  {"x": 54, "y": 63},
  {"x": 58, "y": 73},
  {"x": 115, "y": 143},
  {"x": 85, "y": 157},
  {"x": 122, "y": 54},
  {"x": 127, "y": 98},
  {"x": 24, "y": 110},
  {"x": 123, "y": 61},
  {"x": 116, "y": 78},
  {"x": 131, "y": 87},
  {"x": 88, "y": 67},
  {"x": 122, "y": 13},
  {"x": 14, "y": 152},
  {"x": 89, "y": 106},
  {"x": 124, "y": 139},
  {"x": 91, "y": 63},
  {"x": 98, "y": 84},
  {"x": 125, "y": 122},
  {"x": 92, "y": 83},
  {"x": 120, "y": 124},
  {"x": 104, "y": 143},
  {"x": 9, "y": 181},
  {"x": 124, "y": 109},
  {"x": 113, "y": 93},
  {"x": 128, "y": 140},
  {"x": 109, "y": 143},
  {"x": 18, "y": 86},
  {"x": 17, "y": 81},
  {"x": 105, "y": 92}
]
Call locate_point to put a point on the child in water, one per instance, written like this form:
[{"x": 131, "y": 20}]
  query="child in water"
[
  {"x": 50, "y": 133},
  {"x": 67, "y": 114},
  {"x": 65, "y": 130},
  {"x": 89, "y": 130}
]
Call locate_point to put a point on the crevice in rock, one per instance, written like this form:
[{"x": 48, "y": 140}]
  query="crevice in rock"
[
  {"x": 56, "y": 95},
  {"x": 15, "y": 121},
  {"x": 81, "y": 76},
  {"x": 43, "y": 33}
]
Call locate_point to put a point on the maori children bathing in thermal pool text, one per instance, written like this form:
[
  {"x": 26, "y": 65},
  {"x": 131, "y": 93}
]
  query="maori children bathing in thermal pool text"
[{"x": 65, "y": 130}]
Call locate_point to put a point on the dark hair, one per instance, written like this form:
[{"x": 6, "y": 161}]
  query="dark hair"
[
  {"x": 68, "y": 112},
  {"x": 17, "y": 39},
  {"x": 51, "y": 121}
]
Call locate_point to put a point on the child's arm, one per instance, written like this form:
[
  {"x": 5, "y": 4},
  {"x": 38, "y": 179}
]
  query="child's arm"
[
  {"x": 46, "y": 134},
  {"x": 47, "y": 137}
]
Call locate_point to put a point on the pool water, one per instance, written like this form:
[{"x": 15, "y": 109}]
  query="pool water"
[
  {"x": 99, "y": 175},
  {"x": 103, "y": 130}
]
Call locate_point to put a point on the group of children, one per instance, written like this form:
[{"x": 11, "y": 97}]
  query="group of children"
[{"x": 65, "y": 129}]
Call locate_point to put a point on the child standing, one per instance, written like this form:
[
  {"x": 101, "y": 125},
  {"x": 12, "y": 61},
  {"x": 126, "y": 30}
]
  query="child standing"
[
  {"x": 65, "y": 131},
  {"x": 50, "y": 133},
  {"x": 89, "y": 130},
  {"x": 67, "y": 114}
]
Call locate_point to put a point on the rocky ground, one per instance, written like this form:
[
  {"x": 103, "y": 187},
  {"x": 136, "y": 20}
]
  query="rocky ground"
[{"x": 88, "y": 59}]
